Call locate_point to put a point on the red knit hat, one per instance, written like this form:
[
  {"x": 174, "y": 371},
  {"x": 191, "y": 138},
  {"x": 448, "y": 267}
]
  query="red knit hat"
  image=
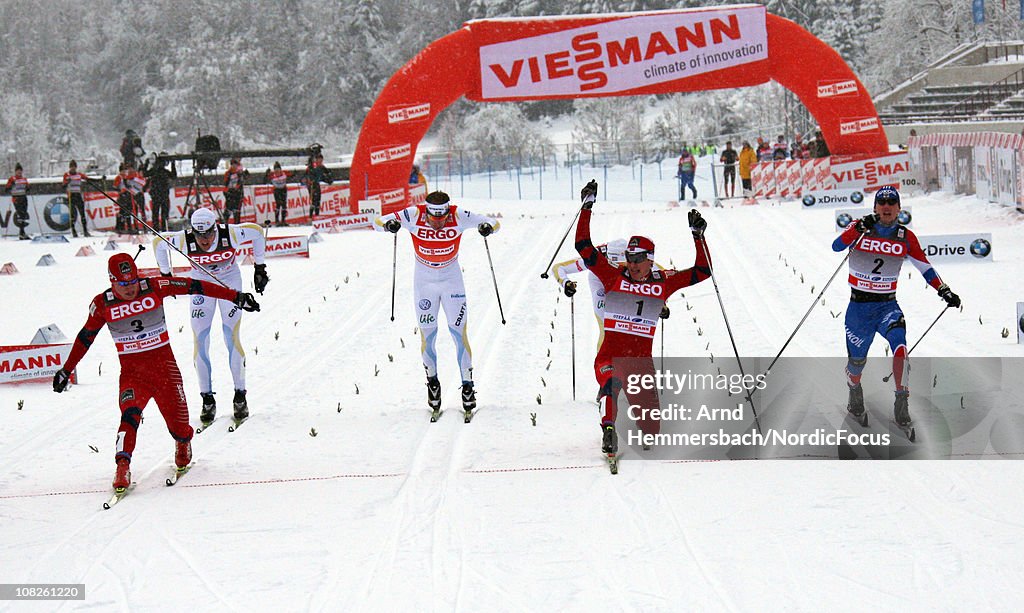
[{"x": 121, "y": 268}]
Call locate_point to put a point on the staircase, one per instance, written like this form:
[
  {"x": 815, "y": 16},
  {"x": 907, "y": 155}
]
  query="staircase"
[{"x": 979, "y": 84}]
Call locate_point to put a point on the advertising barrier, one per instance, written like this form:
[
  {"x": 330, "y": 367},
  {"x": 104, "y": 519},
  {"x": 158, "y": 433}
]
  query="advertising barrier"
[
  {"x": 22, "y": 363},
  {"x": 957, "y": 247}
]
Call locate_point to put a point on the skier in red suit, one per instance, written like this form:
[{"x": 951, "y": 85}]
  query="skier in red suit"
[
  {"x": 133, "y": 311},
  {"x": 634, "y": 298}
]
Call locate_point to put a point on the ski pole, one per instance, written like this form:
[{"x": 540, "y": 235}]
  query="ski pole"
[
  {"x": 886, "y": 379},
  {"x": 728, "y": 328},
  {"x": 141, "y": 249},
  {"x": 816, "y": 299},
  {"x": 572, "y": 325},
  {"x": 161, "y": 237},
  {"x": 495, "y": 279},
  {"x": 394, "y": 268},
  {"x": 544, "y": 275},
  {"x": 663, "y": 351}
]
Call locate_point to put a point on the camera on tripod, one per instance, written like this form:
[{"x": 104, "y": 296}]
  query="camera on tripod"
[{"x": 207, "y": 147}]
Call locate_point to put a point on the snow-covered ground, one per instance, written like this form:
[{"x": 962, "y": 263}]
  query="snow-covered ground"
[{"x": 382, "y": 510}]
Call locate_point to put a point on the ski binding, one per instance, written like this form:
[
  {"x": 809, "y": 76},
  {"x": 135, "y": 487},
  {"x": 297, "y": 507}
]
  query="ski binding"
[{"x": 178, "y": 472}]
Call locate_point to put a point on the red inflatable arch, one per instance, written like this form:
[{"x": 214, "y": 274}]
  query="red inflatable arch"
[{"x": 627, "y": 54}]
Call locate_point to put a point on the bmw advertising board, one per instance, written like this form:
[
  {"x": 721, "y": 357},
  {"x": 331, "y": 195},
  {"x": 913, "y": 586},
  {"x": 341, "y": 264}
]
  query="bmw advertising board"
[
  {"x": 826, "y": 199},
  {"x": 957, "y": 247},
  {"x": 1020, "y": 323}
]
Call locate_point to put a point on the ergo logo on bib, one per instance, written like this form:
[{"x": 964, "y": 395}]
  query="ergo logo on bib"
[
  {"x": 217, "y": 257},
  {"x": 884, "y": 247},
  {"x": 132, "y": 308},
  {"x": 647, "y": 289},
  {"x": 436, "y": 235}
]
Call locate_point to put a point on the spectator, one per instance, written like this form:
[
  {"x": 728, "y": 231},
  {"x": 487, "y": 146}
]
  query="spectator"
[
  {"x": 780, "y": 149},
  {"x": 820, "y": 148},
  {"x": 747, "y": 159},
  {"x": 416, "y": 177},
  {"x": 159, "y": 186},
  {"x": 72, "y": 184},
  {"x": 764, "y": 152},
  {"x": 687, "y": 171},
  {"x": 316, "y": 173},
  {"x": 796, "y": 148},
  {"x": 137, "y": 186},
  {"x": 17, "y": 187},
  {"x": 234, "y": 181},
  {"x": 279, "y": 179},
  {"x": 122, "y": 183},
  {"x": 728, "y": 158}
]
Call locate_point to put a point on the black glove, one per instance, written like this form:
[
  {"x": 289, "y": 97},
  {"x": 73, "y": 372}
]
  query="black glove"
[
  {"x": 665, "y": 312},
  {"x": 866, "y": 223},
  {"x": 947, "y": 294},
  {"x": 167, "y": 274},
  {"x": 260, "y": 278},
  {"x": 60, "y": 380},
  {"x": 247, "y": 302},
  {"x": 697, "y": 223},
  {"x": 392, "y": 226},
  {"x": 569, "y": 288},
  {"x": 588, "y": 195},
  {"x": 485, "y": 229}
]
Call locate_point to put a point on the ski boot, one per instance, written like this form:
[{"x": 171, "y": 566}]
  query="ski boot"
[
  {"x": 468, "y": 400},
  {"x": 240, "y": 405},
  {"x": 123, "y": 475},
  {"x": 74, "y": 233},
  {"x": 610, "y": 447},
  {"x": 901, "y": 412},
  {"x": 182, "y": 453},
  {"x": 856, "y": 405},
  {"x": 433, "y": 393},
  {"x": 610, "y": 442},
  {"x": 209, "y": 411},
  {"x": 434, "y": 397}
]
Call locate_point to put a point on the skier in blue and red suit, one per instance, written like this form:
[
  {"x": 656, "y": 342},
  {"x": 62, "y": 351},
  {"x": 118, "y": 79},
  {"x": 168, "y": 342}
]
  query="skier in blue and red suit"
[{"x": 879, "y": 246}]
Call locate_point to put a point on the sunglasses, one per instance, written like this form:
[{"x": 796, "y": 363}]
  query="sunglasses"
[
  {"x": 205, "y": 233},
  {"x": 636, "y": 257},
  {"x": 889, "y": 201},
  {"x": 127, "y": 283}
]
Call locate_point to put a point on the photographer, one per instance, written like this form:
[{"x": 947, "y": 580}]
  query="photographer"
[
  {"x": 316, "y": 173},
  {"x": 131, "y": 148},
  {"x": 159, "y": 185}
]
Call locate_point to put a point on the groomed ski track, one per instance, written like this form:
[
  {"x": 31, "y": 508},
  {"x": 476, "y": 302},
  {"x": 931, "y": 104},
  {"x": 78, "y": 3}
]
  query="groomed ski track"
[{"x": 381, "y": 509}]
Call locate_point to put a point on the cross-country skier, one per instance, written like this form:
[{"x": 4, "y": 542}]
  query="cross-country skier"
[
  {"x": 880, "y": 245},
  {"x": 213, "y": 246},
  {"x": 634, "y": 298},
  {"x": 436, "y": 229},
  {"x": 615, "y": 251},
  {"x": 133, "y": 311}
]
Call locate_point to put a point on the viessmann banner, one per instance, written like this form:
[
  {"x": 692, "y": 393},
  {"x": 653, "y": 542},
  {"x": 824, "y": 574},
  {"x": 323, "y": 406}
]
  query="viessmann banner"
[{"x": 624, "y": 54}]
